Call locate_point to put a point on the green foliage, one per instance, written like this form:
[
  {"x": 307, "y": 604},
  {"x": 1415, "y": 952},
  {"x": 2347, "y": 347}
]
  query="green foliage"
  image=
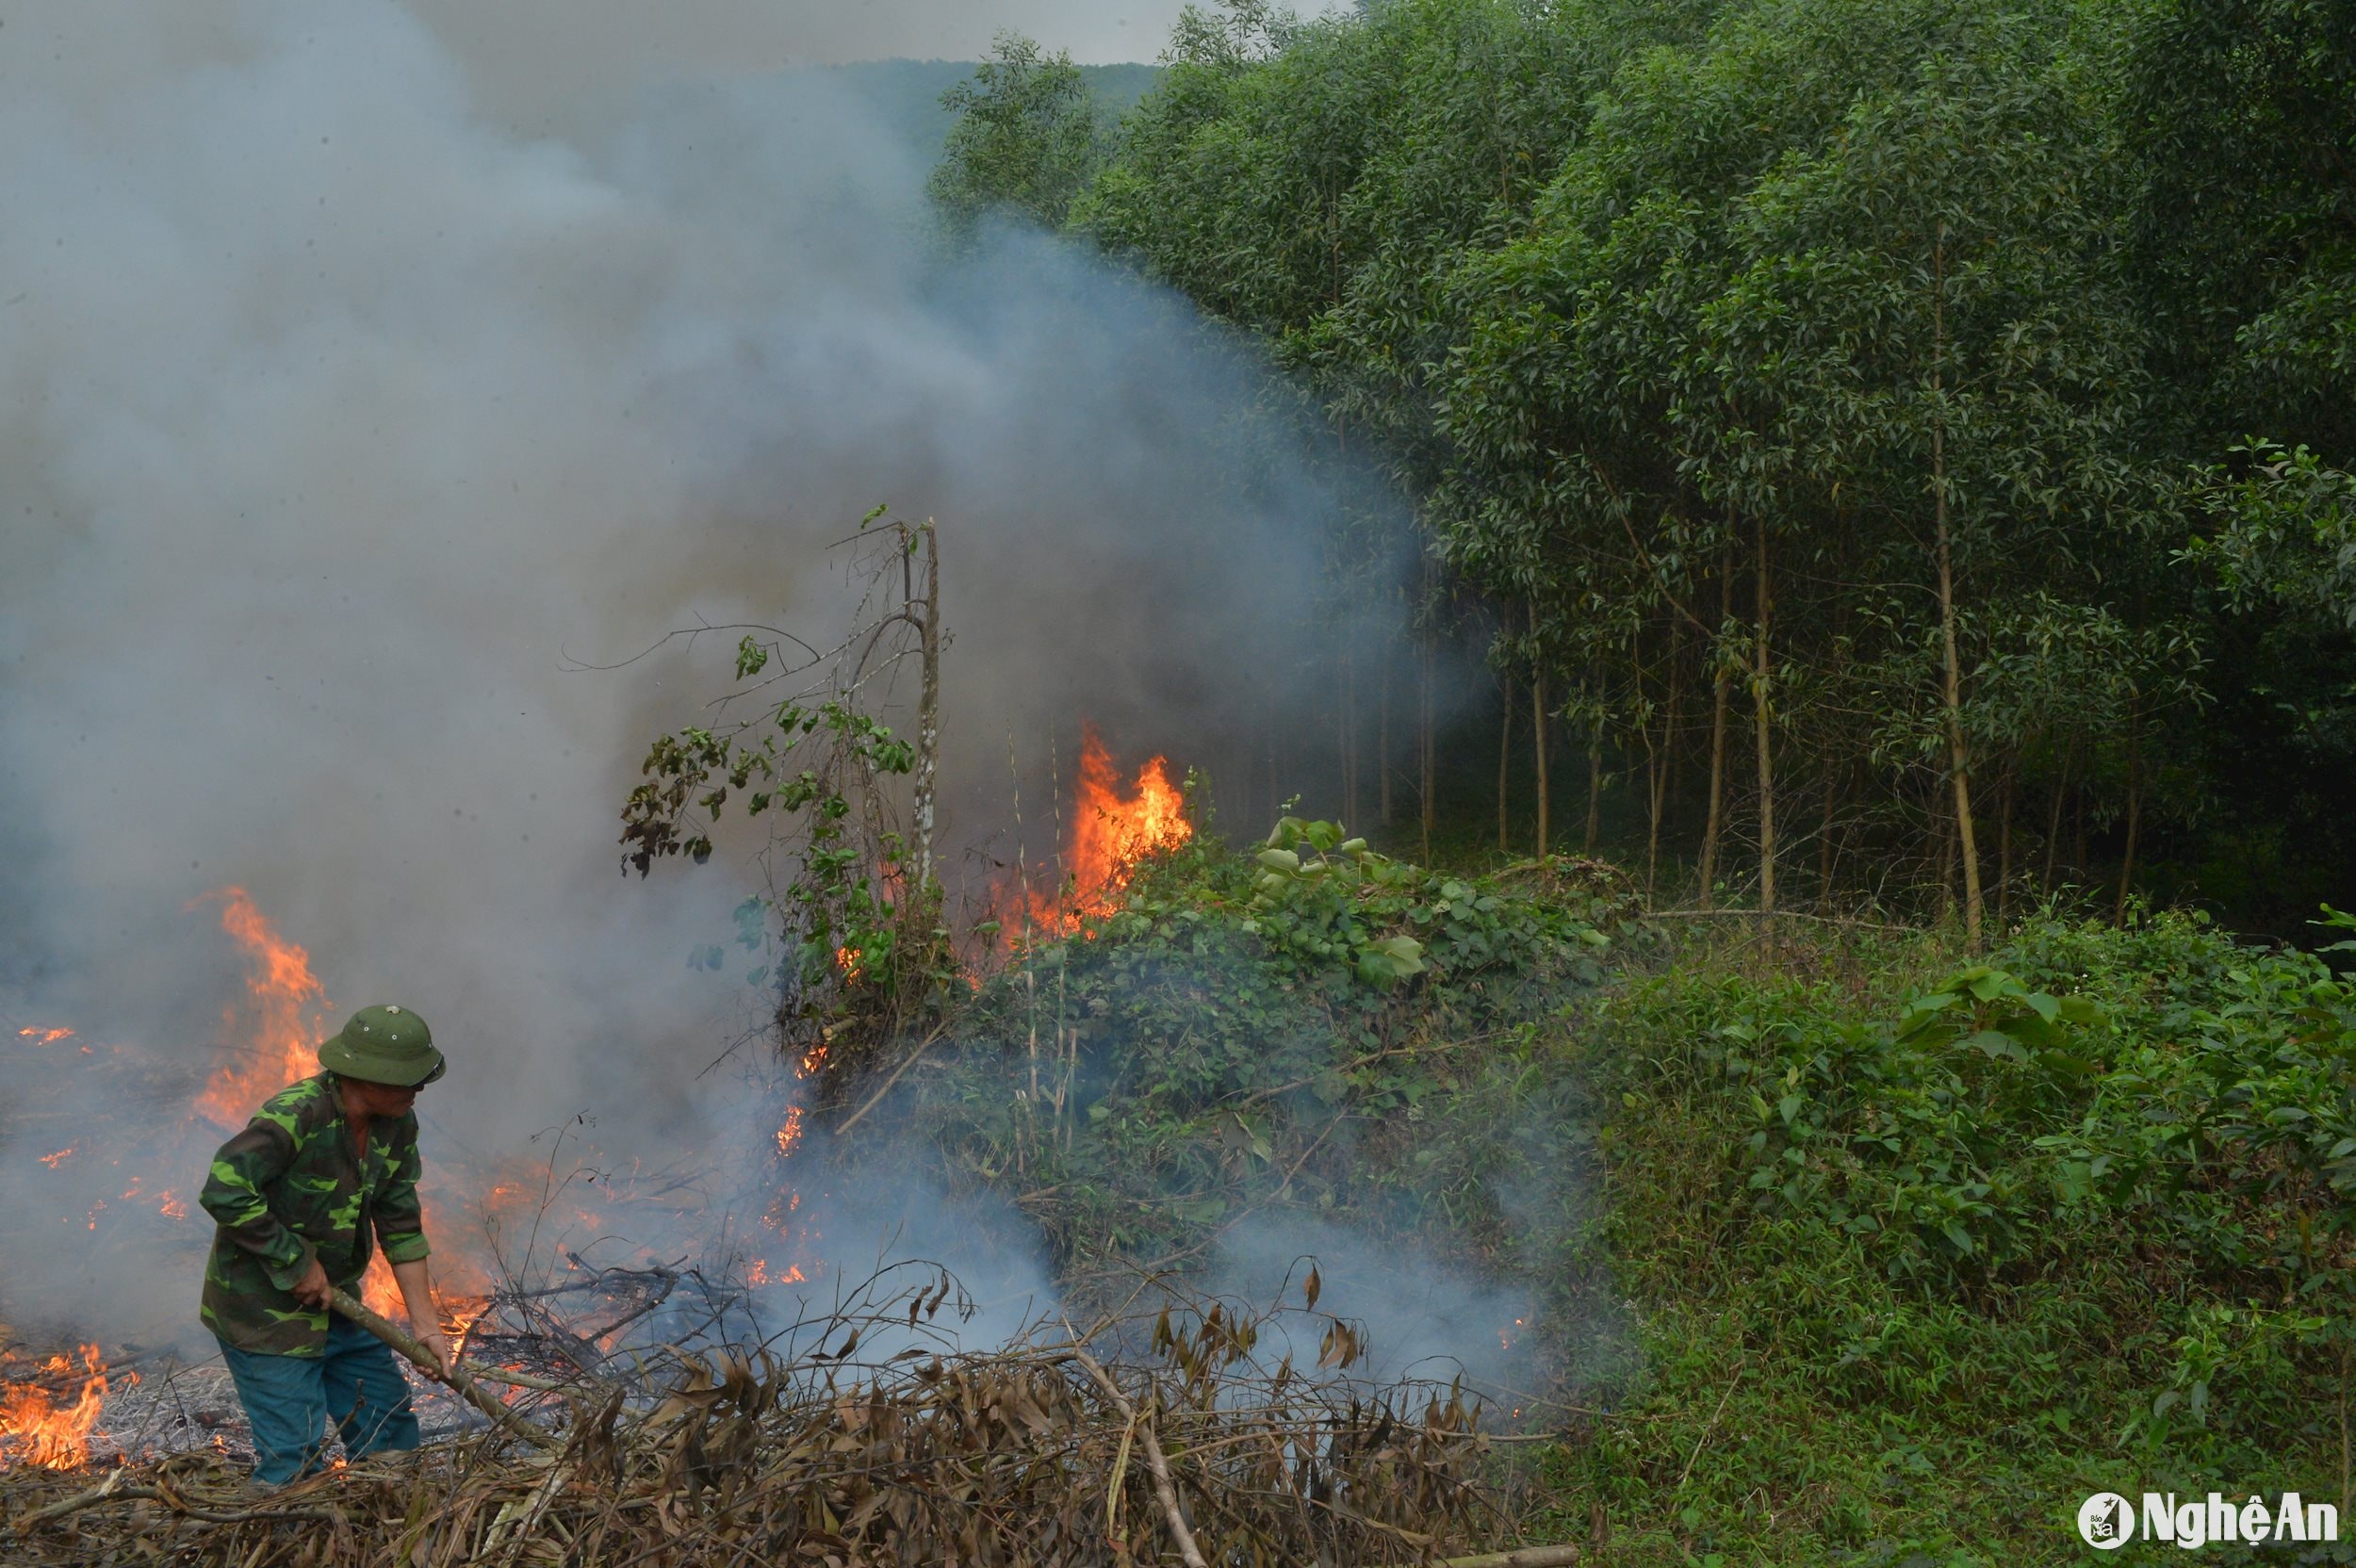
[
  {"x": 842, "y": 932},
  {"x": 1681, "y": 321},
  {"x": 1923, "y": 1251},
  {"x": 2287, "y": 533},
  {"x": 1310, "y": 1023},
  {"x": 1023, "y": 142},
  {"x": 2243, "y": 115},
  {"x": 1961, "y": 1246}
]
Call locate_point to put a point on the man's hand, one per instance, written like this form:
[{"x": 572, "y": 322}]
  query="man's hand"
[
  {"x": 428, "y": 1334},
  {"x": 313, "y": 1290}
]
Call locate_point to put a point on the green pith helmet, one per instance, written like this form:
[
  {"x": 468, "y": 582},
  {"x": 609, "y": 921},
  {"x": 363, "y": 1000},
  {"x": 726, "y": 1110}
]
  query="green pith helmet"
[{"x": 383, "y": 1045}]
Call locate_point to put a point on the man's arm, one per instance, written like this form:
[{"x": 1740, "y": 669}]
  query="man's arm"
[
  {"x": 425, "y": 1322},
  {"x": 243, "y": 1171},
  {"x": 401, "y": 1232},
  {"x": 400, "y": 1215}
]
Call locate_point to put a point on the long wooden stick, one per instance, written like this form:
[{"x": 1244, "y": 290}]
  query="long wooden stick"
[
  {"x": 1521, "y": 1556},
  {"x": 109, "y": 1491},
  {"x": 457, "y": 1377}
]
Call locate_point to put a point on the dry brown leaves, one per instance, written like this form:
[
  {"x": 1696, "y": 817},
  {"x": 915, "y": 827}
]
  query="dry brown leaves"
[{"x": 1032, "y": 1454}]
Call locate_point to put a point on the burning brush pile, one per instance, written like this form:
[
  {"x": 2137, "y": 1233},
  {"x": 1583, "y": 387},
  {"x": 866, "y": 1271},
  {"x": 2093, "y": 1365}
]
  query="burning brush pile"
[{"x": 859, "y": 1435}]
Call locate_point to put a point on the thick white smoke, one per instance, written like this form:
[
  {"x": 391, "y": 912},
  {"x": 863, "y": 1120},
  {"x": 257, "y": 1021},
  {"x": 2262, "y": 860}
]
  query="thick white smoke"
[{"x": 340, "y": 425}]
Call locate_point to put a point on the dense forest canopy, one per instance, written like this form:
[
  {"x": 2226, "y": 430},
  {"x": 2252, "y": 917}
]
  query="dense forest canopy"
[{"x": 1899, "y": 448}]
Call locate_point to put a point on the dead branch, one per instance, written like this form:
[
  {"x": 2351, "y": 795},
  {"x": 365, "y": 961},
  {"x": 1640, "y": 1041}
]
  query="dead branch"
[
  {"x": 1522, "y": 1557},
  {"x": 1154, "y": 1460}
]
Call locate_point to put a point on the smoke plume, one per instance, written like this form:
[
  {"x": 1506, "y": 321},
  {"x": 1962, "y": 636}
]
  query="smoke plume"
[{"x": 342, "y": 429}]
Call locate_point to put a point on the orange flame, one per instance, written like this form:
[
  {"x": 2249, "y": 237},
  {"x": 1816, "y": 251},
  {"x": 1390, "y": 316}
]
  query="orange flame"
[
  {"x": 758, "y": 1274},
  {"x": 44, "y": 1036},
  {"x": 1115, "y": 828},
  {"x": 34, "y": 1427},
  {"x": 457, "y": 1308},
  {"x": 284, "y": 1018},
  {"x": 380, "y": 1292}
]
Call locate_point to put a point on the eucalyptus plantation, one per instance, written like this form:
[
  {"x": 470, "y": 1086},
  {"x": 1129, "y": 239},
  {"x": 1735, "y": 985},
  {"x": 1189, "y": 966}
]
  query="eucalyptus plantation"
[{"x": 1824, "y": 415}]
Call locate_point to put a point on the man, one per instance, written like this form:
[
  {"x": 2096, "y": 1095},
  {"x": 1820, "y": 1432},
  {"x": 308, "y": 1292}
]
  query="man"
[{"x": 297, "y": 1195}]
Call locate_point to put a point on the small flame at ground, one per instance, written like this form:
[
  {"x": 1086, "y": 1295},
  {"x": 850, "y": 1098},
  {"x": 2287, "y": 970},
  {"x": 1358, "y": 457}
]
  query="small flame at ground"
[
  {"x": 1113, "y": 829},
  {"x": 758, "y": 1274},
  {"x": 35, "y": 1430},
  {"x": 284, "y": 1017},
  {"x": 44, "y": 1036}
]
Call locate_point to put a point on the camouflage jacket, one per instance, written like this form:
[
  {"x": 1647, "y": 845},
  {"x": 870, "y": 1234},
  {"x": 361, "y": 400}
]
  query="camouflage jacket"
[{"x": 289, "y": 1188}]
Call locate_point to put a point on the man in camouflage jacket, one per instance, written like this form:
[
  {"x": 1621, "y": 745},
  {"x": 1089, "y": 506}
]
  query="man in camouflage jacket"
[{"x": 326, "y": 1167}]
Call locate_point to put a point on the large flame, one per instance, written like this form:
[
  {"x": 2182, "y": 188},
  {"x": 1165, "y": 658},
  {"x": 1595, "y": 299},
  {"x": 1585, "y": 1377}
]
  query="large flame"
[
  {"x": 1113, "y": 828},
  {"x": 35, "y": 1428},
  {"x": 280, "y": 1024}
]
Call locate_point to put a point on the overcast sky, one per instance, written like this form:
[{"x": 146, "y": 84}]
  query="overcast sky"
[{"x": 534, "y": 59}]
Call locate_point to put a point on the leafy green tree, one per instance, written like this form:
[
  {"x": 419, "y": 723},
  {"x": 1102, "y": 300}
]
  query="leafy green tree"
[
  {"x": 1024, "y": 143},
  {"x": 2287, "y": 535},
  {"x": 2242, "y": 116},
  {"x": 1760, "y": 349},
  {"x": 1926, "y": 341}
]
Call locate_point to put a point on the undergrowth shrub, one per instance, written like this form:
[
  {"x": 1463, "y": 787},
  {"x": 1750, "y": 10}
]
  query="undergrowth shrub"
[
  {"x": 1308, "y": 1025},
  {"x": 2081, "y": 1211}
]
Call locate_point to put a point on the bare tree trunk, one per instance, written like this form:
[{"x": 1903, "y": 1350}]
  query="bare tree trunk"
[
  {"x": 1383, "y": 745},
  {"x": 2078, "y": 847},
  {"x": 2053, "y": 821},
  {"x": 928, "y": 714},
  {"x": 1722, "y": 680},
  {"x": 2003, "y": 842},
  {"x": 1958, "y": 757},
  {"x": 1596, "y": 786},
  {"x": 1823, "y": 836},
  {"x": 1427, "y": 756},
  {"x": 1275, "y": 777},
  {"x": 1653, "y": 775},
  {"x": 1349, "y": 732},
  {"x": 1762, "y": 721},
  {"x": 1832, "y": 774},
  {"x": 1538, "y": 704},
  {"x": 1505, "y": 757},
  {"x": 2135, "y": 810},
  {"x": 1657, "y": 764}
]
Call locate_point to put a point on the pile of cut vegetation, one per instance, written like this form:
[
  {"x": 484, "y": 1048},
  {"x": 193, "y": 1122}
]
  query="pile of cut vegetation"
[{"x": 874, "y": 1443}]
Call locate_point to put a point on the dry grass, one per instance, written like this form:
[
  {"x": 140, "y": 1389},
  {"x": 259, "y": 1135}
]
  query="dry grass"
[{"x": 870, "y": 1445}]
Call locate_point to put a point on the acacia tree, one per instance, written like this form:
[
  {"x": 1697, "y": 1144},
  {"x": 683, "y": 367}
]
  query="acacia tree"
[
  {"x": 1024, "y": 143},
  {"x": 1928, "y": 329},
  {"x": 1793, "y": 376},
  {"x": 1317, "y": 181}
]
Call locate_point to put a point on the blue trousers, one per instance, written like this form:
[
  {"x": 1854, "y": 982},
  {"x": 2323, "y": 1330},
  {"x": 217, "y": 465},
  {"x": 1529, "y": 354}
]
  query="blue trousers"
[{"x": 289, "y": 1400}]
